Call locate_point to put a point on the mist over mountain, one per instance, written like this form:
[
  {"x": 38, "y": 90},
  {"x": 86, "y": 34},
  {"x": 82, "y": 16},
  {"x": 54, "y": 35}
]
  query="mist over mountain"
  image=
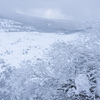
[{"x": 42, "y": 24}]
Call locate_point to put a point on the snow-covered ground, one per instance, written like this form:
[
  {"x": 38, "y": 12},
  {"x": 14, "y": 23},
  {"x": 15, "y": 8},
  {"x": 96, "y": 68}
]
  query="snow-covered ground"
[
  {"x": 22, "y": 46},
  {"x": 74, "y": 65}
]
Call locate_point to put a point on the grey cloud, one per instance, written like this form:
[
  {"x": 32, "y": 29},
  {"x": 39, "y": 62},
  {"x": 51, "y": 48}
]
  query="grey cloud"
[{"x": 75, "y": 9}]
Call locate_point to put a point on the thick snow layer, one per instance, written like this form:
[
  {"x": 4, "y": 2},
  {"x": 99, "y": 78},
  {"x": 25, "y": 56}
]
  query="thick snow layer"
[
  {"x": 19, "y": 46},
  {"x": 98, "y": 86},
  {"x": 82, "y": 83}
]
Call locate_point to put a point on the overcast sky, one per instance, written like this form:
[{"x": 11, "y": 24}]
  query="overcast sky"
[{"x": 55, "y": 9}]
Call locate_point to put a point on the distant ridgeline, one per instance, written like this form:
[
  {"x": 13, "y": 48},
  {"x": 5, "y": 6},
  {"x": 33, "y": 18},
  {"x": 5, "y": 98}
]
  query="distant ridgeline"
[{"x": 24, "y": 23}]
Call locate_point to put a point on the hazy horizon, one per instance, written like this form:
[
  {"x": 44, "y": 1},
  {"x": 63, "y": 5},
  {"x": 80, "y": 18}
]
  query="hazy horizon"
[{"x": 53, "y": 9}]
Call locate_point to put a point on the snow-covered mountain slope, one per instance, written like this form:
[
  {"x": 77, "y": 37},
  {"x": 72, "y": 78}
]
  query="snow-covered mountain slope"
[{"x": 28, "y": 35}]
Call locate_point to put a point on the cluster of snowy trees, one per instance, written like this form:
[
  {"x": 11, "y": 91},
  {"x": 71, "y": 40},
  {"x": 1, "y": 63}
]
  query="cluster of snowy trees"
[
  {"x": 7, "y": 25},
  {"x": 70, "y": 71}
]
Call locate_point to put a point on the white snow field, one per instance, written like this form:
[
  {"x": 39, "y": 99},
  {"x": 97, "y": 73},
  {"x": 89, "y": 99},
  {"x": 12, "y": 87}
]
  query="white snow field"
[{"x": 16, "y": 47}]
